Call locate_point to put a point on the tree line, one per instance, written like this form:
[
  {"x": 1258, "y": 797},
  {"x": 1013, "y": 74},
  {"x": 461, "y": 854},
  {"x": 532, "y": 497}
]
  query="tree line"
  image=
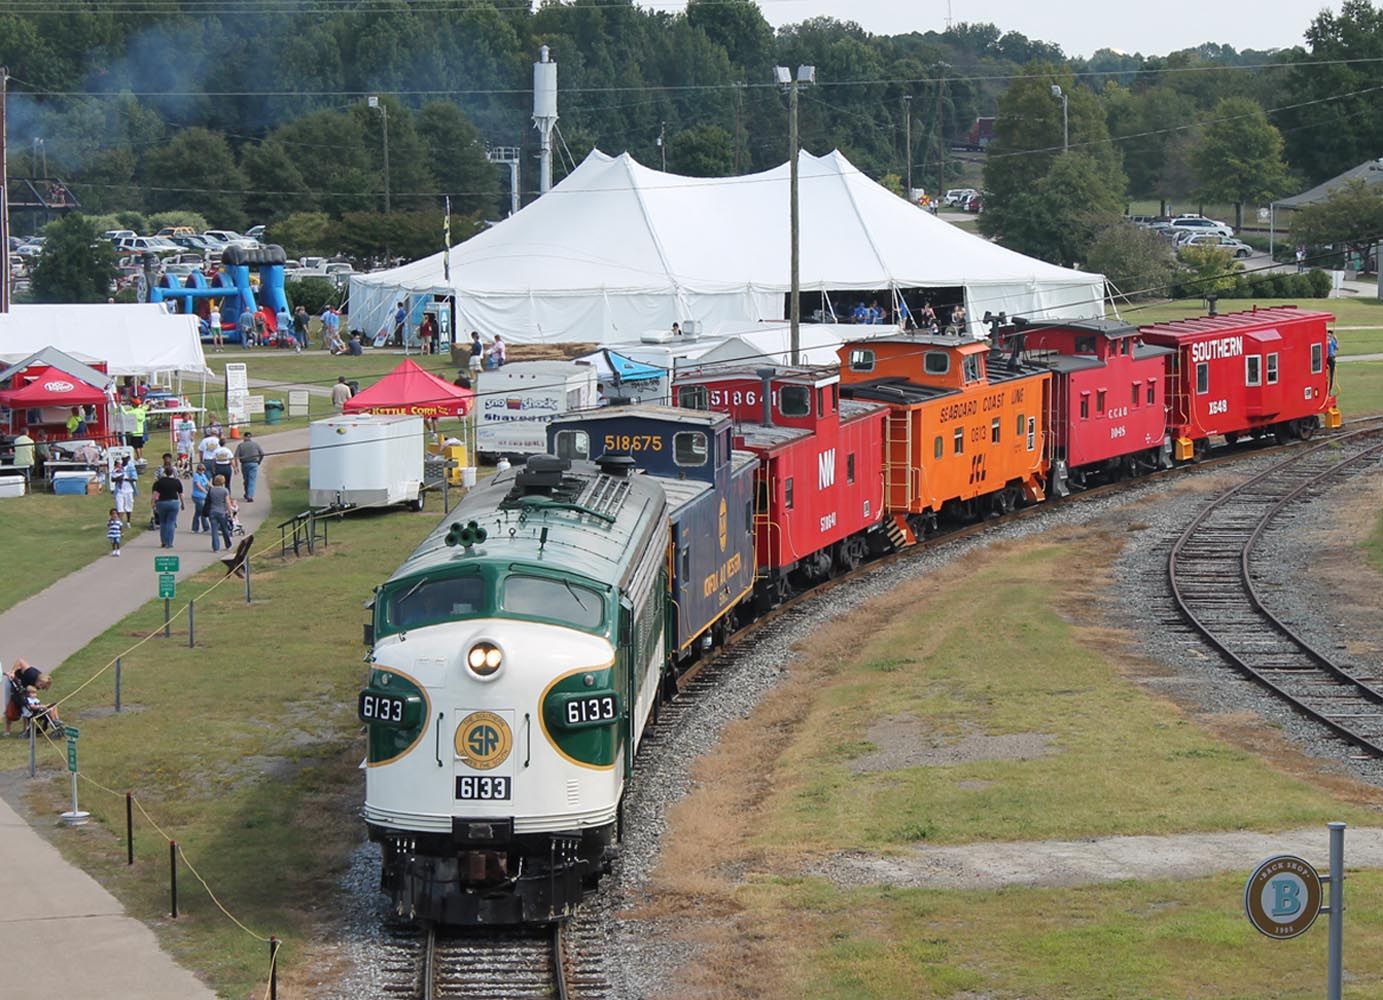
[{"x": 260, "y": 114}]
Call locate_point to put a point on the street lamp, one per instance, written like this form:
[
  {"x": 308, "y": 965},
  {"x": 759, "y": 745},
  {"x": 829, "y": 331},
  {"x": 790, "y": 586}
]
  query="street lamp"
[
  {"x": 806, "y": 76},
  {"x": 1065, "y": 120},
  {"x": 375, "y": 102}
]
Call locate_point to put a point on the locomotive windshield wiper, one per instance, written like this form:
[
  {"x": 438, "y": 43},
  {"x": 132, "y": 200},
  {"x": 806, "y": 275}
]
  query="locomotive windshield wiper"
[{"x": 411, "y": 591}]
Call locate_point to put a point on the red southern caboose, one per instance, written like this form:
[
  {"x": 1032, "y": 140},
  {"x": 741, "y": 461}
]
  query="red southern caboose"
[
  {"x": 1107, "y": 414},
  {"x": 820, "y": 487},
  {"x": 1246, "y": 374}
]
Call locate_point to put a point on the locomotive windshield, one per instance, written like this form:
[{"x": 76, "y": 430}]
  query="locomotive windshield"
[
  {"x": 428, "y": 601},
  {"x": 540, "y": 597}
]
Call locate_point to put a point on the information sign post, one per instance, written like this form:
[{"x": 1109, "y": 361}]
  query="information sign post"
[
  {"x": 167, "y": 568},
  {"x": 75, "y": 817}
]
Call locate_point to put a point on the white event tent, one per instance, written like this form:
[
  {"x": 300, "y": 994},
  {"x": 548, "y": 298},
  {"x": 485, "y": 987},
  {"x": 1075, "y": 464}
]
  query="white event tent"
[
  {"x": 617, "y": 249},
  {"x": 133, "y": 339}
]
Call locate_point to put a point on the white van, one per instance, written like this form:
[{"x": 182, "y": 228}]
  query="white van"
[{"x": 519, "y": 400}]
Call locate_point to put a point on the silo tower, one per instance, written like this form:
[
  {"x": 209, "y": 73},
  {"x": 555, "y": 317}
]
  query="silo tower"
[{"x": 544, "y": 114}]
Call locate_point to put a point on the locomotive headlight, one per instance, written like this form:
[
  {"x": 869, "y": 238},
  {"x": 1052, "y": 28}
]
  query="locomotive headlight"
[{"x": 484, "y": 658}]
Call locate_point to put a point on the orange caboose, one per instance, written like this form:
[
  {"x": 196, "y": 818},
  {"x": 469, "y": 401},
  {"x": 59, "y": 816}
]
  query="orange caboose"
[{"x": 964, "y": 434}]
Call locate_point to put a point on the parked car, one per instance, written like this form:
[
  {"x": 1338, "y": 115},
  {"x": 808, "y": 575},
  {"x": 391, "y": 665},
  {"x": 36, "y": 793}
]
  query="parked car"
[
  {"x": 29, "y": 251},
  {"x": 1238, "y": 247},
  {"x": 974, "y": 203},
  {"x": 957, "y": 197},
  {"x": 255, "y": 233},
  {"x": 1200, "y": 224},
  {"x": 146, "y": 244},
  {"x": 169, "y": 231},
  {"x": 118, "y": 234}
]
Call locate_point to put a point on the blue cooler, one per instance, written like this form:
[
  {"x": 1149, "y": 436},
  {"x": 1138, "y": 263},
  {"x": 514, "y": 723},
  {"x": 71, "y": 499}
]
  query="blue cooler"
[{"x": 72, "y": 483}]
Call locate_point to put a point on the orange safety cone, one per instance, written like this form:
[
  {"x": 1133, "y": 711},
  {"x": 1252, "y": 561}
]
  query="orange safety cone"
[{"x": 235, "y": 431}]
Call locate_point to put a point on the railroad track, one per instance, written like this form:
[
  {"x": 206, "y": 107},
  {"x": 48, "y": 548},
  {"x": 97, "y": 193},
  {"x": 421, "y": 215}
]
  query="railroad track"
[
  {"x": 424, "y": 963},
  {"x": 1212, "y": 578}
]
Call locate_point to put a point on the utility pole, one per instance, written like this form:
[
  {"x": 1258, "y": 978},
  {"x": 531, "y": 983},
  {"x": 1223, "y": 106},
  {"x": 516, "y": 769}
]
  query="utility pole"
[
  {"x": 907, "y": 139},
  {"x": 805, "y": 75},
  {"x": 662, "y": 143},
  {"x": 4, "y": 199},
  {"x": 940, "y": 135},
  {"x": 375, "y": 102},
  {"x": 739, "y": 96}
]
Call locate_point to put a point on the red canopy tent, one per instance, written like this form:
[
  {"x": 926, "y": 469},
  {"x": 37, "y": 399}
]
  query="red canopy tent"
[
  {"x": 56, "y": 388},
  {"x": 410, "y": 390}
]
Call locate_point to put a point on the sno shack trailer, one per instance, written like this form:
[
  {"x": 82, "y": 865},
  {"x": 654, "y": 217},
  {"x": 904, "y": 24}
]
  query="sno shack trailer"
[{"x": 519, "y": 400}]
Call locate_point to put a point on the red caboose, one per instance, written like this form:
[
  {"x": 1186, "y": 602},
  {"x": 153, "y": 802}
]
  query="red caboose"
[
  {"x": 1246, "y": 374},
  {"x": 820, "y": 487},
  {"x": 1107, "y": 415}
]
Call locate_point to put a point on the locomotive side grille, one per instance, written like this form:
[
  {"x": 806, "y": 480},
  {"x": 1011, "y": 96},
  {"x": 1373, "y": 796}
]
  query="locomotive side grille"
[
  {"x": 573, "y": 793},
  {"x": 606, "y": 494}
]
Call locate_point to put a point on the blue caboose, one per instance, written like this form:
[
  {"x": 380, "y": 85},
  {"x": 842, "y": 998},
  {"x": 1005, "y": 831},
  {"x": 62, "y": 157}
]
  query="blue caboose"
[{"x": 710, "y": 492}]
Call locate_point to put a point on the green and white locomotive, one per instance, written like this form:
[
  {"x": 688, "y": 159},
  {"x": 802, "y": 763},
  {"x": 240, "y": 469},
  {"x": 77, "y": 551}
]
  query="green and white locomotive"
[{"x": 517, "y": 656}]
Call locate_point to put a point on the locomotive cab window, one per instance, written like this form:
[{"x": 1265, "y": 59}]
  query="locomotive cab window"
[
  {"x": 689, "y": 448},
  {"x": 693, "y": 397},
  {"x": 541, "y": 597},
  {"x": 1315, "y": 359},
  {"x": 1272, "y": 369},
  {"x": 795, "y": 401},
  {"x": 1253, "y": 370},
  {"x": 426, "y": 602},
  {"x": 936, "y": 362},
  {"x": 861, "y": 360},
  {"x": 573, "y": 444},
  {"x": 1202, "y": 378}
]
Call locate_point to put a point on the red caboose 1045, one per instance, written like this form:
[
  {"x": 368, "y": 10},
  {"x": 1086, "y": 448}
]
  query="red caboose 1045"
[
  {"x": 1246, "y": 374},
  {"x": 1106, "y": 415},
  {"x": 819, "y": 496}
]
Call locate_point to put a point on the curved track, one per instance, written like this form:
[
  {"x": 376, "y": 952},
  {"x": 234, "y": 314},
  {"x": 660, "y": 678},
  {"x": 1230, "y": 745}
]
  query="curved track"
[{"x": 1212, "y": 582}]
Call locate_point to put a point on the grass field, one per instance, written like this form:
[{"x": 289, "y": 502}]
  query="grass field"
[
  {"x": 985, "y": 651},
  {"x": 1347, "y": 312},
  {"x": 46, "y": 536},
  {"x": 243, "y": 749}
]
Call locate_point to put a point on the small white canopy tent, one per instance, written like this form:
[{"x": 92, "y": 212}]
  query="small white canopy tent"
[
  {"x": 616, "y": 250},
  {"x": 133, "y": 339}
]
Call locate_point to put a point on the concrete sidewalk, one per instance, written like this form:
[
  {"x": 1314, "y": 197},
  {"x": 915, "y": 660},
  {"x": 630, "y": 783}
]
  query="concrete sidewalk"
[{"x": 55, "y": 915}]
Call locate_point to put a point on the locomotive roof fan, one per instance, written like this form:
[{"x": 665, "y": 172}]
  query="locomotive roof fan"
[{"x": 541, "y": 475}]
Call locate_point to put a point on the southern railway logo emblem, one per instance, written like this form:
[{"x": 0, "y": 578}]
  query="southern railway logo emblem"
[
  {"x": 483, "y": 740},
  {"x": 724, "y": 524}
]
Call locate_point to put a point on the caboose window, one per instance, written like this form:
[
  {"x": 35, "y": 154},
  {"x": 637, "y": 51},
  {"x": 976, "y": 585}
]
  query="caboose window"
[
  {"x": 972, "y": 368},
  {"x": 1202, "y": 378},
  {"x": 1085, "y": 406},
  {"x": 1253, "y": 370},
  {"x": 850, "y": 467},
  {"x": 573, "y": 444},
  {"x": 689, "y": 448},
  {"x": 540, "y": 597},
  {"x": 820, "y": 402},
  {"x": 1272, "y": 369},
  {"x": 1152, "y": 392},
  {"x": 936, "y": 362},
  {"x": 787, "y": 493},
  {"x": 795, "y": 401},
  {"x": 1020, "y": 425},
  {"x": 861, "y": 360},
  {"x": 1099, "y": 401},
  {"x": 994, "y": 431},
  {"x": 1315, "y": 359},
  {"x": 1133, "y": 394},
  {"x": 693, "y": 397},
  {"x": 1085, "y": 345},
  {"x": 960, "y": 441},
  {"x": 940, "y": 447}
]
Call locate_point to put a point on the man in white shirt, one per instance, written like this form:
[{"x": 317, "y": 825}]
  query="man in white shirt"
[
  {"x": 207, "y": 447},
  {"x": 222, "y": 462}
]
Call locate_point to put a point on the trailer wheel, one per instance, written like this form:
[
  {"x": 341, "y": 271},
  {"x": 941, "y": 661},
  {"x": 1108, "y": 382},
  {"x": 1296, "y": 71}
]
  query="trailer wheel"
[{"x": 416, "y": 505}]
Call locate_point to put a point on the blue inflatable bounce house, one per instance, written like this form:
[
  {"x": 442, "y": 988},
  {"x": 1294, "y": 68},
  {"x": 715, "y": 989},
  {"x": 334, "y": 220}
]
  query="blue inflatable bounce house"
[{"x": 229, "y": 288}]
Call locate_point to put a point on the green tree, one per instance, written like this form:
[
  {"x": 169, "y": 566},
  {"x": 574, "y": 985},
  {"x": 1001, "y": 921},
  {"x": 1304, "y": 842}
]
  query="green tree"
[
  {"x": 304, "y": 233},
  {"x": 701, "y": 151},
  {"x": 178, "y": 218},
  {"x": 1239, "y": 156},
  {"x": 456, "y": 158},
  {"x": 737, "y": 26},
  {"x": 1040, "y": 200},
  {"x": 1352, "y": 216},
  {"x": 1136, "y": 262},
  {"x": 276, "y": 184},
  {"x": 197, "y": 172},
  {"x": 76, "y": 265},
  {"x": 1208, "y": 270}
]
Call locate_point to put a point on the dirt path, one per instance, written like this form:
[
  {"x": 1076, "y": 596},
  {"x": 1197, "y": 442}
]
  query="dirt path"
[{"x": 1068, "y": 863}]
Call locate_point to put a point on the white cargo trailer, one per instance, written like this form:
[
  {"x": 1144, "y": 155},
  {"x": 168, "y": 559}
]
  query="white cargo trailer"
[
  {"x": 366, "y": 458},
  {"x": 519, "y": 400}
]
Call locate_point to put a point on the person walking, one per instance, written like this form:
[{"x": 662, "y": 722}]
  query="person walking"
[
  {"x": 400, "y": 323},
  {"x": 300, "y": 327},
  {"x": 218, "y": 510},
  {"x": 137, "y": 416},
  {"x": 222, "y": 462},
  {"x": 213, "y": 323},
  {"x": 201, "y": 482},
  {"x": 24, "y": 455},
  {"x": 426, "y": 331},
  {"x": 340, "y": 394},
  {"x": 115, "y": 529},
  {"x": 247, "y": 328},
  {"x": 331, "y": 325},
  {"x": 1301, "y": 259},
  {"x": 477, "y": 353},
  {"x": 248, "y": 456},
  {"x": 168, "y": 502},
  {"x": 122, "y": 488}
]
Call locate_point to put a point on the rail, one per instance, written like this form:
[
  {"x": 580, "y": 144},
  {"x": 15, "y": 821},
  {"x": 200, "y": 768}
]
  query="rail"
[{"x": 304, "y": 531}]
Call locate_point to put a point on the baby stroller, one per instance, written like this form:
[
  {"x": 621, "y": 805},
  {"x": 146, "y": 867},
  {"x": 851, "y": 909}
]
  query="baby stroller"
[{"x": 233, "y": 508}]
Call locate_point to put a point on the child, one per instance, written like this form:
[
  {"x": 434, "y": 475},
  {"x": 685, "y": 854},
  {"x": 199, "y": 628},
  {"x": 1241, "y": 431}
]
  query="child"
[
  {"x": 115, "y": 528},
  {"x": 122, "y": 488},
  {"x": 38, "y": 714}
]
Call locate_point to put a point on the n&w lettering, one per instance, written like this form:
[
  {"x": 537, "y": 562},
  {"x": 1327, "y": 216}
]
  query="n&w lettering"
[{"x": 826, "y": 469}]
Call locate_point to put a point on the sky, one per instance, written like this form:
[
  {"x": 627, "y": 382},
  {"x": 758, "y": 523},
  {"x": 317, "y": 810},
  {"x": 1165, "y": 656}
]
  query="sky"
[{"x": 1080, "y": 26}]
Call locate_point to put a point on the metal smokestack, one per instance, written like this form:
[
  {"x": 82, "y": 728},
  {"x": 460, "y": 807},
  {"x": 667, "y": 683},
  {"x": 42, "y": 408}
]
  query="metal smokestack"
[
  {"x": 544, "y": 114},
  {"x": 766, "y": 379}
]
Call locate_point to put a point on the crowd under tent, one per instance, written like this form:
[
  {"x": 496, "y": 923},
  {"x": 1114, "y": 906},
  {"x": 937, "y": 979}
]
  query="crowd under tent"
[{"x": 617, "y": 250}]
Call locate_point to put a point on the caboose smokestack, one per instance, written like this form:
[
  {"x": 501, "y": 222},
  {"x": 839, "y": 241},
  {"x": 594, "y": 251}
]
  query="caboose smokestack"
[
  {"x": 766, "y": 377},
  {"x": 544, "y": 114}
]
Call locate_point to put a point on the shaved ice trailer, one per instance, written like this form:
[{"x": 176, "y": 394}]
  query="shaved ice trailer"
[
  {"x": 515, "y": 403},
  {"x": 366, "y": 459}
]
